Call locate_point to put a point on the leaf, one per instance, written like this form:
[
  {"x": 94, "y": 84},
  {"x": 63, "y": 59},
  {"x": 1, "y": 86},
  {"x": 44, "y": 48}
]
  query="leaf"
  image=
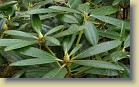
[
  {"x": 8, "y": 42},
  {"x": 68, "y": 41},
  {"x": 7, "y": 5},
  {"x": 19, "y": 45},
  {"x": 67, "y": 18},
  {"x": 35, "y": 52},
  {"x": 99, "y": 48},
  {"x": 35, "y": 61},
  {"x": 52, "y": 40},
  {"x": 2, "y": 22},
  {"x": 99, "y": 64},
  {"x": 60, "y": 8},
  {"x": 122, "y": 33},
  {"x": 116, "y": 56},
  {"x": 127, "y": 42},
  {"x": 84, "y": 8},
  {"x": 1, "y": 61},
  {"x": 112, "y": 21},
  {"x": 72, "y": 29},
  {"x": 109, "y": 34},
  {"x": 40, "y": 11},
  {"x": 76, "y": 48},
  {"x": 36, "y": 23},
  {"x": 75, "y": 3},
  {"x": 116, "y": 2},
  {"x": 104, "y": 10},
  {"x": 19, "y": 33},
  {"x": 57, "y": 28},
  {"x": 91, "y": 33},
  {"x": 19, "y": 73},
  {"x": 56, "y": 73}
]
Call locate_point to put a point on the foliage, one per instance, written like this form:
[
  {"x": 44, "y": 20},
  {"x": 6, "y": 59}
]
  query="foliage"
[{"x": 65, "y": 39}]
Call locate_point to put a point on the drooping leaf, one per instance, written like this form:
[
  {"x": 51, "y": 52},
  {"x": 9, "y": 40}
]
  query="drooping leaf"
[
  {"x": 67, "y": 18},
  {"x": 19, "y": 73},
  {"x": 7, "y": 5},
  {"x": 52, "y": 40},
  {"x": 99, "y": 48},
  {"x": 19, "y": 45},
  {"x": 104, "y": 10},
  {"x": 116, "y": 2},
  {"x": 68, "y": 41},
  {"x": 119, "y": 55},
  {"x": 99, "y": 64},
  {"x": 55, "y": 29},
  {"x": 122, "y": 33},
  {"x": 35, "y": 61},
  {"x": 112, "y": 21},
  {"x": 35, "y": 52},
  {"x": 56, "y": 73},
  {"x": 91, "y": 33},
  {"x": 2, "y": 22},
  {"x": 19, "y": 33},
  {"x": 72, "y": 29},
  {"x": 76, "y": 48},
  {"x": 65, "y": 9},
  {"x": 127, "y": 42}
]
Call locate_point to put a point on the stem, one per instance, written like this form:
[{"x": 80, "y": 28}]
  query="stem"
[{"x": 69, "y": 71}]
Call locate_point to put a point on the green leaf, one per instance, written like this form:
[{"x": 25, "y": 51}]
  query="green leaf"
[
  {"x": 75, "y": 3},
  {"x": 72, "y": 29},
  {"x": 119, "y": 55},
  {"x": 109, "y": 34},
  {"x": 112, "y": 21},
  {"x": 116, "y": 2},
  {"x": 35, "y": 52},
  {"x": 122, "y": 33},
  {"x": 2, "y": 22},
  {"x": 56, "y": 73},
  {"x": 99, "y": 48},
  {"x": 57, "y": 28},
  {"x": 19, "y": 73},
  {"x": 8, "y": 42},
  {"x": 19, "y": 33},
  {"x": 91, "y": 33},
  {"x": 40, "y": 11},
  {"x": 84, "y": 8},
  {"x": 35, "y": 61},
  {"x": 104, "y": 10},
  {"x": 36, "y": 23},
  {"x": 52, "y": 40},
  {"x": 68, "y": 41},
  {"x": 7, "y": 5},
  {"x": 67, "y": 18},
  {"x": 65, "y": 9},
  {"x": 127, "y": 42},
  {"x": 76, "y": 48},
  {"x": 19, "y": 45},
  {"x": 99, "y": 64}
]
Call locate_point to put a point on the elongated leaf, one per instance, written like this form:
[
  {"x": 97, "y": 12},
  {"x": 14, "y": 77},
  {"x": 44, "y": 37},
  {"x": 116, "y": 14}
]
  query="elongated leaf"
[
  {"x": 36, "y": 61},
  {"x": 67, "y": 18},
  {"x": 68, "y": 41},
  {"x": 8, "y": 42},
  {"x": 40, "y": 11},
  {"x": 122, "y": 33},
  {"x": 2, "y": 22},
  {"x": 91, "y": 33},
  {"x": 19, "y": 33},
  {"x": 35, "y": 52},
  {"x": 76, "y": 48},
  {"x": 119, "y": 55},
  {"x": 56, "y": 73},
  {"x": 19, "y": 73},
  {"x": 52, "y": 40},
  {"x": 104, "y": 10},
  {"x": 72, "y": 29},
  {"x": 19, "y": 45},
  {"x": 75, "y": 3},
  {"x": 36, "y": 23},
  {"x": 99, "y": 48},
  {"x": 127, "y": 42},
  {"x": 7, "y": 5},
  {"x": 99, "y": 64},
  {"x": 46, "y": 16},
  {"x": 112, "y": 21},
  {"x": 116, "y": 2},
  {"x": 84, "y": 8},
  {"x": 109, "y": 34},
  {"x": 55, "y": 29},
  {"x": 59, "y": 8}
]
